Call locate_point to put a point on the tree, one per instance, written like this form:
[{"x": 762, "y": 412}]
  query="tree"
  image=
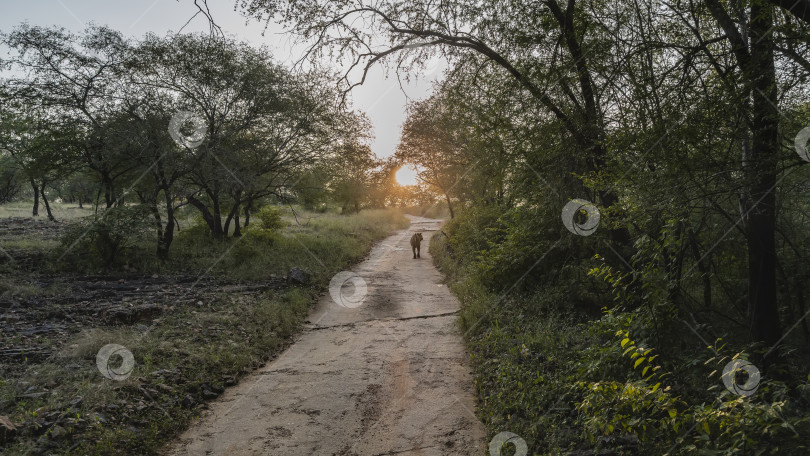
[
  {"x": 10, "y": 185},
  {"x": 432, "y": 139},
  {"x": 545, "y": 47},
  {"x": 751, "y": 32},
  {"x": 79, "y": 78},
  {"x": 42, "y": 148},
  {"x": 262, "y": 123},
  {"x": 350, "y": 184}
]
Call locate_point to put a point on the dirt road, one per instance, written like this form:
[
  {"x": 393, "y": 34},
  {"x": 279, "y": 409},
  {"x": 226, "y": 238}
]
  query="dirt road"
[{"x": 385, "y": 375}]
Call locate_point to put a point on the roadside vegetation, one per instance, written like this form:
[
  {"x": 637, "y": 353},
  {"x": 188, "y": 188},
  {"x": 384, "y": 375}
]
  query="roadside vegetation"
[
  {"x": 569, "y": 378},
  {"x": 194, "y": 325}
]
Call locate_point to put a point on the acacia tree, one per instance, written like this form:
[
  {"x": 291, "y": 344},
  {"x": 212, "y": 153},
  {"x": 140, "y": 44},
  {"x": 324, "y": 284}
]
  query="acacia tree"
[
  {"x": 350, "y": 184},
  {"x": 42, "y": 148},
  {"x": 10, "y": 185},
  {"x": 262, "y": 122},
  {"x": 80, "y": 77},
  {"x": 161, "y": 164}
]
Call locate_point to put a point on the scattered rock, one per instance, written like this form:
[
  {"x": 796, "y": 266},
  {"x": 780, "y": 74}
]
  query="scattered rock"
[
  {"x": 58, "y": 432},
  {"x": 208, "y": 395},
  {"x": 7, "y": 429},
  {"x": 188, "y": 401},
  {"x": 130, "y": 315},
  {"x": 298, "y": 275},
  {"x": 219, "y": 389},
  {"x": 165, "y": 388}
]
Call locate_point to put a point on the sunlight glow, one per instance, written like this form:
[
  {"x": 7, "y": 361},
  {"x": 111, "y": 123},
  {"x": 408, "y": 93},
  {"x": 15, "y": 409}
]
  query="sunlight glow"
[{"x": 407, "y": 175}]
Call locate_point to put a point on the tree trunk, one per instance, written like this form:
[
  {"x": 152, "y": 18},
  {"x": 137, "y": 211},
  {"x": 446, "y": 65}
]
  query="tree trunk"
[
  {"x": 158, "y": 222},
  {"x": 45, "y": 202},
  {"x": 760, "y": 173},
  {"x": 217, "y": 220},
  {"x": 449, "y": 206},
  {"x": 166, "y": 239},
  {"x": 237, "y": 230},
  {"x": 234, "y": 215},
  {"x": 109, "y": 197},
  {"x": 213, "y": 221},
  {"x": 35, "y": 211},
  {"x": 247, "y": 212}
]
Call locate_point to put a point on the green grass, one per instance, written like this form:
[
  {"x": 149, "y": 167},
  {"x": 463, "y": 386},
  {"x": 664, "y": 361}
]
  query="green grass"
[
  {"x": 228, "y": 336},
  {"x": 315, "y": 242},
  {"x": 61, "y": 211}
]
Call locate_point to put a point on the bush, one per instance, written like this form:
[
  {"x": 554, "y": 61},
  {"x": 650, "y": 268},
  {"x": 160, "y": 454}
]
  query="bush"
[
  {"x": 270, "y": 218},
  {"x": 105, "y": 236}
]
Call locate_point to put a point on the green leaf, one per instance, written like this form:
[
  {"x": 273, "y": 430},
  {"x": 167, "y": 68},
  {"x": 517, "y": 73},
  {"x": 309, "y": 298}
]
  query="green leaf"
[{"x": 639, "y": 361}]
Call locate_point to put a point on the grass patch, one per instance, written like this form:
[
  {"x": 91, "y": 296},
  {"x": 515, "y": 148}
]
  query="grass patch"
[
  {"x": 316, "y": 242},
  {"x": 61, "y": 211}
]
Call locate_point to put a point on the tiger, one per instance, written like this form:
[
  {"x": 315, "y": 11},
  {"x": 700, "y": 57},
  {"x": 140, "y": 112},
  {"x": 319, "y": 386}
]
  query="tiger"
[{"x": 416, "y": 242}]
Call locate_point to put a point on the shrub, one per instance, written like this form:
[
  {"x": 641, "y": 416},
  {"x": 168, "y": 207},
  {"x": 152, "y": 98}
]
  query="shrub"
[
  {"x": 270, "y": 218},
  {"x": 105, "y": 236}
]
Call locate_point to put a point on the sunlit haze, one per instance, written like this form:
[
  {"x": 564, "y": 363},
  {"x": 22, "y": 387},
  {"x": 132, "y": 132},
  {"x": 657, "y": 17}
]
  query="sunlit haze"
[{"x": 407, "y": 175}]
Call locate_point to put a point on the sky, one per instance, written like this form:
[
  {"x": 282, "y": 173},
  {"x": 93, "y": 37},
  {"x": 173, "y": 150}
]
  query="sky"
[{"x": 383, "y": 100}]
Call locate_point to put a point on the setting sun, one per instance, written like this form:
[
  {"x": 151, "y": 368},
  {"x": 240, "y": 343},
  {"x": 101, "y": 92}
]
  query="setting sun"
[{"x": 407, "y": 175}]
